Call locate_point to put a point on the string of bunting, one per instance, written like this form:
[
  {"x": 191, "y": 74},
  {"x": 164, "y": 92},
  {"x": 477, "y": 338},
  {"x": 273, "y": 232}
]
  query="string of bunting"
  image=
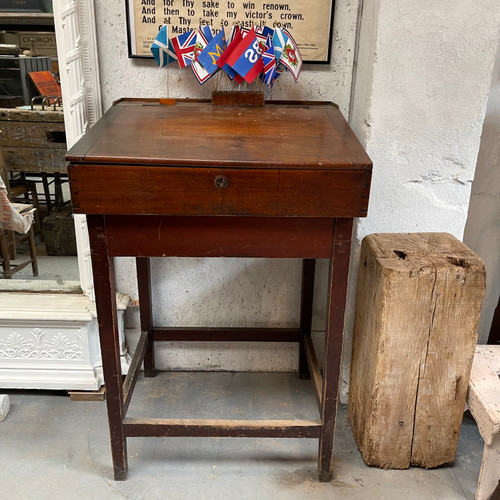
[{"x": 245, "y": 56}]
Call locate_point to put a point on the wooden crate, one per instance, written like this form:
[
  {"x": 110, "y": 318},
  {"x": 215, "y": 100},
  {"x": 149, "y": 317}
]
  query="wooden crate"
[
  {"x": 417, "y": 311},
  {"x": 59, "y": 233}
]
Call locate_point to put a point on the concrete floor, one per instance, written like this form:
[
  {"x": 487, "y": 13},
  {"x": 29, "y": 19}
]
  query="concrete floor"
[
  {"x": 53, "y": 448},
  {"x": 55, "y": 273}
]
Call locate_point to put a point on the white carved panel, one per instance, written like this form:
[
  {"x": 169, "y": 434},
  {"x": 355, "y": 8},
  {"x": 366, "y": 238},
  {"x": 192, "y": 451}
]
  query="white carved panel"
[
  {"x": 51, "y": 341},
  {"x": 39, "y": 345}
]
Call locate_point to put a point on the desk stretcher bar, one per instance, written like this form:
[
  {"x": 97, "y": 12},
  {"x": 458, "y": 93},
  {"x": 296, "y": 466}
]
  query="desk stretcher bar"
[{"x": 171, "y": 427}]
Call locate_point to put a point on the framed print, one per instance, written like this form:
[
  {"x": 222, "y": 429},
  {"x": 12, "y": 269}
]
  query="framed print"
[{"x": 310, "y": 22}]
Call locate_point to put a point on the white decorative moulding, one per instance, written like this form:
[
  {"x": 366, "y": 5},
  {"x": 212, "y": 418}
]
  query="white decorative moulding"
[
  {"x": 37, "y": 344},
  {"x": 51, "y": 341}
]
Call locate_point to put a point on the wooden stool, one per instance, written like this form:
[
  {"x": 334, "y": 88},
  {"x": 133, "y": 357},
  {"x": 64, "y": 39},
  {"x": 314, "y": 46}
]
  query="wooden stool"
[
  {"x": 417, "y": 311},
  {"x": 483, "y": 399}
]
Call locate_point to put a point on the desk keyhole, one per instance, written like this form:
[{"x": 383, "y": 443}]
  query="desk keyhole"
[{"x": 221, "y": 181}]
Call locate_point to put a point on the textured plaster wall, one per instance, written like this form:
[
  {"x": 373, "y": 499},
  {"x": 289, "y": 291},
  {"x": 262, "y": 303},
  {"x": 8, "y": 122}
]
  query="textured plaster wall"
[
  {"x": 222, "y": 292},
  {"x": 421, "y": 88},
  {"x": 482, "y": 232}
]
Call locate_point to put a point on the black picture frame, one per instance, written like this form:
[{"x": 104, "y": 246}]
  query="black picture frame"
[{"x": 135, "y": 55}]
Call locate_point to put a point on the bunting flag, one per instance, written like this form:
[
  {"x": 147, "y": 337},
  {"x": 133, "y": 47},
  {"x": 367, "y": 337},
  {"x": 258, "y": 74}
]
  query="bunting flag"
[
  {"x": 209, "y": 56},
  {"x": 162, "y": 49},
  {"x": 203, "y": 37},
  {"x": 183, "y": 46},
  {"x": 291, "y": 56},
  {"x": 246, "y": 58},
  {"x": 235, "y": 38},
  {"x": 269, "y": 61},
  {"x": 279, "y": 41}
]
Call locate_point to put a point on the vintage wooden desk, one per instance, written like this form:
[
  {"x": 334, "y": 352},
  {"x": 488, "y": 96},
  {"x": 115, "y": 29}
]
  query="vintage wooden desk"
[{"x": 192, "y": 179}]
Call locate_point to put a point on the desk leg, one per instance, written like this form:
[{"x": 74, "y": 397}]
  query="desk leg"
[
  {"x": 337, "y": 291},
  {"x": 105, "y": 294},
  {"x": 306, "y": 310},
  {"x": 144, "y": 287}
]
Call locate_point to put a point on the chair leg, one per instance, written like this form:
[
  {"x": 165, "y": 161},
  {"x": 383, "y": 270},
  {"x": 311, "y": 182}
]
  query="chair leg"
[
  {"x": 11, "y": 245},
  {"x": 5, "y": 255},
  {"x": 34, "y": 258},
  {"x": 38, "y": 222},
  {"x": 489, "y": 475},
  {"x": 46, "y": 191}
]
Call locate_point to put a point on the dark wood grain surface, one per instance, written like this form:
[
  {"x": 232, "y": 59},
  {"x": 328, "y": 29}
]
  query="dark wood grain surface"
[{"x": 286, "y": 136}]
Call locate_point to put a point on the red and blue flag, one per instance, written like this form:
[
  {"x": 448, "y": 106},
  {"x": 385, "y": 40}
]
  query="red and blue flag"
[
  {"x": 246, "y": 58},
  {"x": 235, "y": 37}
]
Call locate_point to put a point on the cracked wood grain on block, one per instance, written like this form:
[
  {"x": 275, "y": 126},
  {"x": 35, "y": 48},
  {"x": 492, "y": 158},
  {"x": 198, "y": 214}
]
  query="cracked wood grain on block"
[{"x": 417, "y": 311}]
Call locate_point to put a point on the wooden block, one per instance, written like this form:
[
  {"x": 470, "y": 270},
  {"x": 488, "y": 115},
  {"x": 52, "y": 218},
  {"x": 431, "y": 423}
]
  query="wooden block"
[
  {"x": 166, "y": 101},
  {"x": 417, "y": 311},
  {"x": 99, "y": 395},
  {"x": 243, "y": 98}
]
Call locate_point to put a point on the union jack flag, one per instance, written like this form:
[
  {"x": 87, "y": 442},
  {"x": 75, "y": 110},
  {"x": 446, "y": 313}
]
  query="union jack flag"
[
  {"x": 184, "y": 47},
  {"x": 269, "y": 60}
]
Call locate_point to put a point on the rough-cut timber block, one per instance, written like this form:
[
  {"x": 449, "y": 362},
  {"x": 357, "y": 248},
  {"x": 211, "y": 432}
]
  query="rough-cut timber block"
[
  {"x": 4, "y": 406},
  {"x": 417, "y": 312}
]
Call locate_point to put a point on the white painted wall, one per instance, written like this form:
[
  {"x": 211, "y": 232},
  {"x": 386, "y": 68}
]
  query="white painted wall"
[
  {"x": 420, "y": 96},
  {"x": 482, "y": 232}
]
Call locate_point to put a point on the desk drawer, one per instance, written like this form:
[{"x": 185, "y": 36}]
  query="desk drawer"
[{"x": 115, "y": 189}]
